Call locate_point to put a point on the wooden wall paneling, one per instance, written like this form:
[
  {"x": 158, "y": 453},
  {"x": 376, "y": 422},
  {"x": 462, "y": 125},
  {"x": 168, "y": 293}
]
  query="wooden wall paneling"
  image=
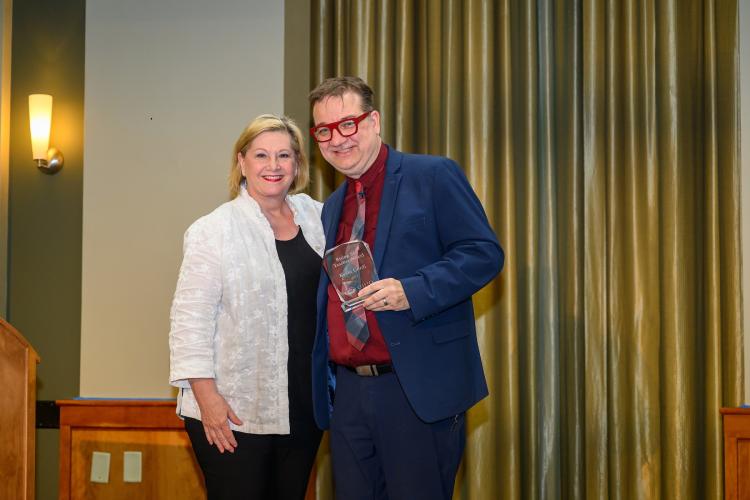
[
  {"x": 18, "y": 362},
  {"x": 169, "y": 469}
]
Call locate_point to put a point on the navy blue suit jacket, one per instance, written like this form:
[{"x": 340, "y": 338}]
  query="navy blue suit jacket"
[{"x": 432, "y": 235}]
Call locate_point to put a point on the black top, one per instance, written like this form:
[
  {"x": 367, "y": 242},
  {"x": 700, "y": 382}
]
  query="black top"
[{"x": 301, "y": 270}]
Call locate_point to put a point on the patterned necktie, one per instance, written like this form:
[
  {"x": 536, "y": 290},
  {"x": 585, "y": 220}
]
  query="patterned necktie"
[{"x": 356, "y": 322}]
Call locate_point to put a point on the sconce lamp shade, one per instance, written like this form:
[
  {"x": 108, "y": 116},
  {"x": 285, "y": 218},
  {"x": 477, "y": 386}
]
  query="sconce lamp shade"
[
  {"x": 50, "y": 160},
  {"x": 40, "y": 117}
]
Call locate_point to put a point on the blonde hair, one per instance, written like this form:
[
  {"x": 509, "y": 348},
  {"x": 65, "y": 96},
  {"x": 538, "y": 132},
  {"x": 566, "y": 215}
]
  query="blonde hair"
[{"x": 270, "y": 123}]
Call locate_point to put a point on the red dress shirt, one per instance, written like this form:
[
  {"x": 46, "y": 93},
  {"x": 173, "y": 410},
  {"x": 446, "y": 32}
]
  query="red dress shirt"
[{"x": 375, "y": 351}]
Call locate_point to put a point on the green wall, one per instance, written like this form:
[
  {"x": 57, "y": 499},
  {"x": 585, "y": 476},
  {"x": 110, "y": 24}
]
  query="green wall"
[{"x": 44, "y": 261}]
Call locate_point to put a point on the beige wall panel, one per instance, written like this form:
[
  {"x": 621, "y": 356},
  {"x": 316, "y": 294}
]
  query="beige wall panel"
[{"x": 169, "y": 86}]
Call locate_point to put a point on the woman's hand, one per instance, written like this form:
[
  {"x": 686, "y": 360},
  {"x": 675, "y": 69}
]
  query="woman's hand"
[{"x": 215, "y": 414}]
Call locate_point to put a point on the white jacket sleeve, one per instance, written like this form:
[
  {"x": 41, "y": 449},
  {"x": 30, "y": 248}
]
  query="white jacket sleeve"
[{"x": 195, "y": 305}]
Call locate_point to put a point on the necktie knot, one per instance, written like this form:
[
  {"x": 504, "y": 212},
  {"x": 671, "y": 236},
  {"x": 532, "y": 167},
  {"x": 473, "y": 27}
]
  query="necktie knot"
[{"x": 358, "y": 227}]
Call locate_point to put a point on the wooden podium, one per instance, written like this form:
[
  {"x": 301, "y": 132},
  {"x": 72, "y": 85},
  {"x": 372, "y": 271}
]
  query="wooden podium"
[
  {"x": 736, "y": 453},
  {"x": 18, "y": 362}
]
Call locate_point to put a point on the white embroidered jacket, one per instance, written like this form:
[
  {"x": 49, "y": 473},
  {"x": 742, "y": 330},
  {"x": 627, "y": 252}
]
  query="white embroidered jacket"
[{"x": 229, "y": 314}]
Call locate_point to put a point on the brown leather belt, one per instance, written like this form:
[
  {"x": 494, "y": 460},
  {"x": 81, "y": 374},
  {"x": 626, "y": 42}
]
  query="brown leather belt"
[{"x": 370, "y": 370}]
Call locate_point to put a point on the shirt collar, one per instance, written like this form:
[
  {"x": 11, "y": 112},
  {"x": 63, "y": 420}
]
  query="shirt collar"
[{"x": 375, "y": 171}]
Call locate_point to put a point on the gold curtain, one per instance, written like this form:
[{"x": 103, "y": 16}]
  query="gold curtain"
[{"x": 601, "y": 137}]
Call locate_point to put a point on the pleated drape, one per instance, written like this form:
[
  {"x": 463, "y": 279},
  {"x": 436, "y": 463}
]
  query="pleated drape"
[{"x": 601, "y": 137}]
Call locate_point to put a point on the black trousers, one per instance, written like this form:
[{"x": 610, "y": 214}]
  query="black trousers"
[
  {"x": 262, "y": 467},
  {"x": 381, "y": 450}
]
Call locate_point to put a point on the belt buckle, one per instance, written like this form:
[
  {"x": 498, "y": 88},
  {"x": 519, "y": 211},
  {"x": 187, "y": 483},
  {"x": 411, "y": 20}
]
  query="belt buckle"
[{"x": 367, "y": 370}]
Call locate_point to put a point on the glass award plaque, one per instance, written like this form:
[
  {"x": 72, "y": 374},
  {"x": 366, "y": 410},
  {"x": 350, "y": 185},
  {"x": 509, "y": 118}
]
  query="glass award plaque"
[{"x": 351, "y": 268}]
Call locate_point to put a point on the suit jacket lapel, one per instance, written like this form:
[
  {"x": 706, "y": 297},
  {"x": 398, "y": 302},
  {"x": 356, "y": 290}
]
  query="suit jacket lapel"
[{"x": 387, "y": 204}]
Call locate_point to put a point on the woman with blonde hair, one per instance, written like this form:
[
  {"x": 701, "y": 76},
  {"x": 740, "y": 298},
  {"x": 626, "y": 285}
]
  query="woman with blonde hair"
[{"x": 243, "y": 322}]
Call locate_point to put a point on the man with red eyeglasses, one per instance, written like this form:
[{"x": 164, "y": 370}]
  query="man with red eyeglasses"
[{"x": 393, "y": 378}]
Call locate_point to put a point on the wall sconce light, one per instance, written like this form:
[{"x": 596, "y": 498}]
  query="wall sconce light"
[{"x": 50, "y": 160}]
